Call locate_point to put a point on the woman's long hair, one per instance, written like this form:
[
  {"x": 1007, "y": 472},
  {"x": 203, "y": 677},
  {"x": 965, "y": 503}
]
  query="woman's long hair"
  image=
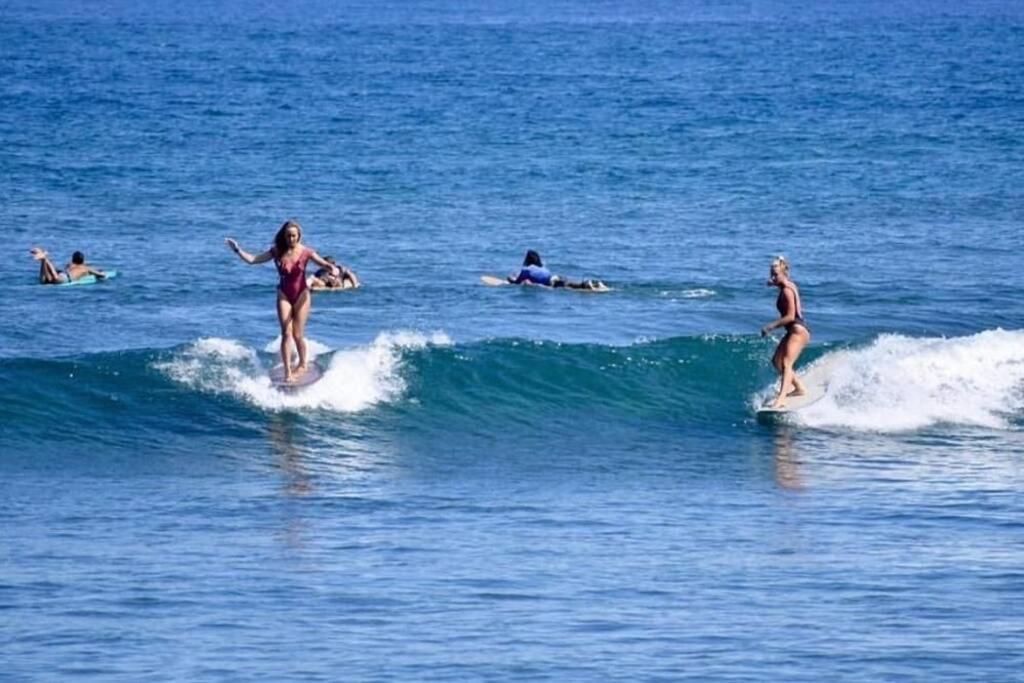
[
  {"x": 532, "y": 259},
  {"x": 281, "y": 239}
]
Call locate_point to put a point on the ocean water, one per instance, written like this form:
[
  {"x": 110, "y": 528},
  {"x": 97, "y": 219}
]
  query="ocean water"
[{"x": 510, "y": 483}]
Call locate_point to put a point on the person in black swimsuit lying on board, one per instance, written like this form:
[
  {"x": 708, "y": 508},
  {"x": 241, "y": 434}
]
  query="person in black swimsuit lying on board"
[
  {"x": 325, "y": 279},
  {"x": 797, "y": 332},
  {"x": 533, "y": 272}
]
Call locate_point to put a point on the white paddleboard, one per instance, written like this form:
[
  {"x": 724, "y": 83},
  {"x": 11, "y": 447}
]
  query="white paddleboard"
[
  {"x": 312, "y": 375},
  {"x": 815, "y": 378}
]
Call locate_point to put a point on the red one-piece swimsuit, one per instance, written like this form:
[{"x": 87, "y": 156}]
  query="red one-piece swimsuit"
[{"x": 293, "y": 276}]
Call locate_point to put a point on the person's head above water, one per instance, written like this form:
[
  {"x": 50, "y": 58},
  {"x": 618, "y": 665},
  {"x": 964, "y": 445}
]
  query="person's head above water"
[
  {"x": 779, "y": 268},
  {"x": 532, "y": 259},
  {"x": 289, "y": 235},
  {"x": 78, "y": 258},
  {"x": 325, "y": 272}
]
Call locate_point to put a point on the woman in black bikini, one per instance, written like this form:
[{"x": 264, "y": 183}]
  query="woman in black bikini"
[{"x": 797, "y": 333}]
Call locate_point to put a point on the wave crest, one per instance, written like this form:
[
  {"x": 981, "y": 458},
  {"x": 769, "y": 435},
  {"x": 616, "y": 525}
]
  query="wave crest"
[
  {"x": 354, "y": 379},
  {"x": 900, "y": 383}
]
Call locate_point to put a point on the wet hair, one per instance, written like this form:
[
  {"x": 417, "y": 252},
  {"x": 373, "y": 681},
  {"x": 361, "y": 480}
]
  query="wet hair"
[
  {"x": 532, "y": 259},
  {"x": 78, "y": 258},
  {"x": 281, "y": 238},
  {"x": 782, "y": 264}
]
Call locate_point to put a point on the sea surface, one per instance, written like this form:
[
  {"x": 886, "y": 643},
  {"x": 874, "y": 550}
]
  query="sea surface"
[{"x": 513, "y": 484}]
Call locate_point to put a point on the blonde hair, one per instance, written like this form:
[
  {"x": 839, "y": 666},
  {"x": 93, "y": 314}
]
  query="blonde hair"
[{"x": 782, "y": 263}]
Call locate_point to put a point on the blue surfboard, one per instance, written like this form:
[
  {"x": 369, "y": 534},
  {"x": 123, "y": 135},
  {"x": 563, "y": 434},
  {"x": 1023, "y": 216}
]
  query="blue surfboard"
[{"x": 89, "y": 279}]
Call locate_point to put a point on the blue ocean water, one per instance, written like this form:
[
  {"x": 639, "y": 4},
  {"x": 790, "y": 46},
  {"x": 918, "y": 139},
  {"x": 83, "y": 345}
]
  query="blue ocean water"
[{"x": 499, "y": 483}]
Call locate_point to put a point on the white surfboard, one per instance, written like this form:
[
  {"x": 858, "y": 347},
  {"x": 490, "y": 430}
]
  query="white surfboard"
[
  {"x": 815, "y": 378},
  {"x": 494, "y": 281},
  {"x": 312, "y": 375},
  {"x": 346, "y": 286}
]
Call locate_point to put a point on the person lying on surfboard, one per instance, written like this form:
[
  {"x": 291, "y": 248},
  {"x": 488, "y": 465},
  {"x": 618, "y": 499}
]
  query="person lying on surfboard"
[
  {"x": 533, "y": 272},
  {"x": 293, "y": 297},
  {"x": 798, "y": 334},
  {"x": 75, "y": 270},
  {"x": 324, "y": 278}
]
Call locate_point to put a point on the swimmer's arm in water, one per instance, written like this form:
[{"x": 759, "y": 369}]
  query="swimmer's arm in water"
[
  {"x": 97, "y": 273},
  {"x": 324, "y": 263},
  {"x": 517, "y": 279},
  {"x": 346, "y": 272},
  {"x": 246, "y": 256},
  {"x": 786, "y": 319}
]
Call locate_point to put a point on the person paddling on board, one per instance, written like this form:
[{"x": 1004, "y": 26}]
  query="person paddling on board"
[
  {"x": 293, "y": 295},
  {"x": 533, "y": 272},
  {"x": 798, "y": 334},
  {"x": 75, "y": 270}
]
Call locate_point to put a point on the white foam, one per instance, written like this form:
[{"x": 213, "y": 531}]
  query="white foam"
[
  {"x": 209, "y": 363},
  {"x": 699, "y": 293},
  {"x": 901, "y": 383},
  {"x": 221, "y": 348},
  {"x": 354, "y": 379}
]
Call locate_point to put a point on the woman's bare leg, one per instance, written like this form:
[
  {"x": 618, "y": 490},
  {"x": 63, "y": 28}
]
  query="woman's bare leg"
[
  {"x": 792, "y": 345},
  {"x": 300, "y": 315},
  {"x": 777, "y": 360},
  {"x": 798, "y": 387},
  {"x": 48, "y": 274},
  {"x": 777, "y": 356},
  {"x": 285, "y": 318}
]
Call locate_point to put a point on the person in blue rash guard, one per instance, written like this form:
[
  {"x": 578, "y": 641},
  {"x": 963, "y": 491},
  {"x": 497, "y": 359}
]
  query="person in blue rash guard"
[{"x": 533, "y": 272}]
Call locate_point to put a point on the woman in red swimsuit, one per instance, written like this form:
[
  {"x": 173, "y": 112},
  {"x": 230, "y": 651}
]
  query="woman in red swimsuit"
[
  {"x": 293, "y": 296},
  {"x": 797, "y": 332}
]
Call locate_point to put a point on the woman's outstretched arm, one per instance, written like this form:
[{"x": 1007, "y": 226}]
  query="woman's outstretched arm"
[
  {"x": 322, "y": 262},
  {"x": 246, "y": 256}
]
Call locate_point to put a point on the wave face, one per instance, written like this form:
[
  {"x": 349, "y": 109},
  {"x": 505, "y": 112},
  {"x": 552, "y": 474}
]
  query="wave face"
[{"x": 891, "y": 384}]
